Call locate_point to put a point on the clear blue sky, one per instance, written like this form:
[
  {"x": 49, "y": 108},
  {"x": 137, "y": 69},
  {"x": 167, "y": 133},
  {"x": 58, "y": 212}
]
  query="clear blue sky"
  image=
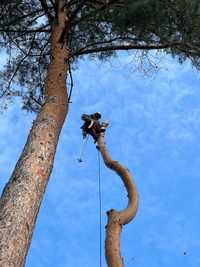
[{"x": 154, "y": 131}]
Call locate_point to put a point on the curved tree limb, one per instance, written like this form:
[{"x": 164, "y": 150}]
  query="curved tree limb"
[{"x": 117, "y": 218}]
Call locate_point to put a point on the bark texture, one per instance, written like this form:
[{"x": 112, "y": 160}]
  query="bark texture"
[
  {"x": 116, "y": 219},
  {"x": 21, "y": 198}
]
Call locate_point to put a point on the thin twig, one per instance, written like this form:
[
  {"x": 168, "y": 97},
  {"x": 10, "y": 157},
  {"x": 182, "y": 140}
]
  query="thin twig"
[
  {"x": 96, "y": 11},
  {"x": 21, "y": 18},
  {"x": 47, "y": 10},
  {"x": 34, "y": 99},
  {"x": 17, "y": 68},
  {"x": 68, "y": 22}
]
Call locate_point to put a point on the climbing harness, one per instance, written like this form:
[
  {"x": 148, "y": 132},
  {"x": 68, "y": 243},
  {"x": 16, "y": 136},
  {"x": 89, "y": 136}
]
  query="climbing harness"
[{"x": 91, "y": 125}]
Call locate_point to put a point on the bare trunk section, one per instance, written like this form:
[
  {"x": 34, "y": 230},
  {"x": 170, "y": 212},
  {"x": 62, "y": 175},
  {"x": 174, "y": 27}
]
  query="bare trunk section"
[
  {"x": 21, "y": 198},
  {"x": 117, "y": 218}
]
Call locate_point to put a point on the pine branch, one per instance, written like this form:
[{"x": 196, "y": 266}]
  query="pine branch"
[
  {"x": 35, "y": 100},
  {"x": 13, "y": 22},
  {"x": 71, "y": 18},
  {"x": 53, "y": 4},
  {"x": 24, "y": 31},
  {"x": 70, "y": 3},
  {"x": 75, "y": 12},
  {"x": 101, "y": 8},
  {"x": 35, "y": 19},
  {"x": 191, "y": 49},
  {"x": 25, "y": 53},
  {"x": 110, "y": 48},
  {"x": 46, "y": 10},
  {"x": 18, "y": 66},
  {"x": 57, "y": 4}
]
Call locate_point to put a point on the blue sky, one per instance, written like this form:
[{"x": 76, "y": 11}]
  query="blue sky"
[{"x": 154, "y": 131}]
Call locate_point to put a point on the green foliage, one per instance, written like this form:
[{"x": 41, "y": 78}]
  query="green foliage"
[{"x": 98, "y": 28}]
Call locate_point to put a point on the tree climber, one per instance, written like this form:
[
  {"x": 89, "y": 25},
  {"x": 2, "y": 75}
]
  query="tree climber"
[{"x": 92, "y": 125}]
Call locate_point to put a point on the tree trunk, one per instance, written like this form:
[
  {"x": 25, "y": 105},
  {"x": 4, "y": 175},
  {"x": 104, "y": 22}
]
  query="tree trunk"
[
  {"x": 116, "y": 219},
  {"x": 21, "y": 198}
]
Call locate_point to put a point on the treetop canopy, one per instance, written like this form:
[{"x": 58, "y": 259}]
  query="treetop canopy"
[{"x": 98, "y": 28}]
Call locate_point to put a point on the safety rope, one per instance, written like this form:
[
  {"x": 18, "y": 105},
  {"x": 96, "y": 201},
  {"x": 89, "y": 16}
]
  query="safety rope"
[
  {"x": 100, "y": 210},
  {"x": 80, "y": 158}
]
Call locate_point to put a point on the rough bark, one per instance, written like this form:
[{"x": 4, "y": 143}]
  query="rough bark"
[
  {"x": 116, "y": 219},
  {"x": 21, "y": 197}
]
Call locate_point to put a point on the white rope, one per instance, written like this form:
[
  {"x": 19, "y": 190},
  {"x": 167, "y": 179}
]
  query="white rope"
[
  {"x": 100, "y": 210},
  {"x": 80, "y": 159}
]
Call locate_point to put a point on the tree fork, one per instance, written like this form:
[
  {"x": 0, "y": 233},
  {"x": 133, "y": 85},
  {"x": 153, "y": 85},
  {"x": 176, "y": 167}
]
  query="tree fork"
[
  {"x": 116, "y": 219},
  {"x": 22, "y": 196}
]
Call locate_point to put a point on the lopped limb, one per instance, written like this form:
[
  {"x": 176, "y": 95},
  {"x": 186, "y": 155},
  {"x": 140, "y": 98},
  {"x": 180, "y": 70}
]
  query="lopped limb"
[{"x": 117, "y": 218}]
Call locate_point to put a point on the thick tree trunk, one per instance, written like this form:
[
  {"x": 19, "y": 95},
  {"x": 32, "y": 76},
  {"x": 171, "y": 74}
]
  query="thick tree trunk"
[
  {"x": 21, "y": 198},
  {"x": 116, "y": 219}
]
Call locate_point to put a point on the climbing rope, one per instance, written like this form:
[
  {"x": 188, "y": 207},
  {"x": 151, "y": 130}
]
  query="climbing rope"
[
  {"x": 100, "y": 210},
  {"x": 80, "y": 158}
]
